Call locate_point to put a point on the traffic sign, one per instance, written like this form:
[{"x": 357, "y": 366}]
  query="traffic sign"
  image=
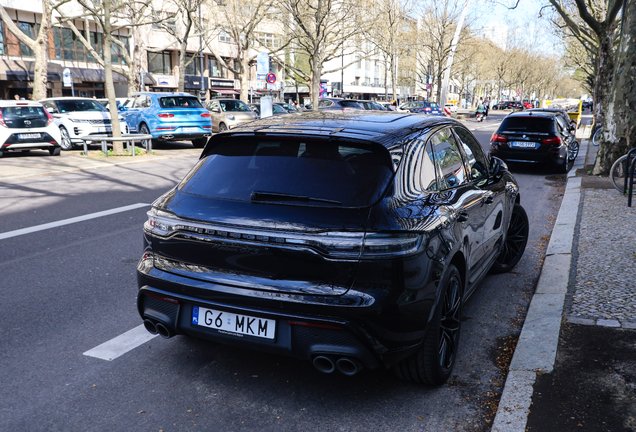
[
  {"x": 271, "y": 78},
  {"x": 67, "y": 79}
]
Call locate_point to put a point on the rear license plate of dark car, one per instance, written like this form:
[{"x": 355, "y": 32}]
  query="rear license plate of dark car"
[
  {"x": 523, "y": 144},
  {"x": 234, "y": 324}
]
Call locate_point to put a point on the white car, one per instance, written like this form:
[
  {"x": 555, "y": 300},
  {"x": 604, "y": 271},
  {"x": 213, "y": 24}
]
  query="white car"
[
  {"x": 25, "y": 126},
  {"x": 452, "y": 107},
  {"x": 77, "y": 117}
]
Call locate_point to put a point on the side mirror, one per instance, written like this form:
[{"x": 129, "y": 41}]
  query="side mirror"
[
  {"x": 51, "y": 110},
  {"x": 216, "y": 110},
  {"x": 497, "y": 166}
]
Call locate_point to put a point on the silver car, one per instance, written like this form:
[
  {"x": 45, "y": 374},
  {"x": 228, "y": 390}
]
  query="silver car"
[{"x": 229, "y": 113}]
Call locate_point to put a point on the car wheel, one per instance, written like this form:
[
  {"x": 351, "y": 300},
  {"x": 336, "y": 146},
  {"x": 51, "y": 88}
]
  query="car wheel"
[
  {"x": 573, "y": 150},
  {"x": 200, "y": 143},
  {"x": 143, "y": 130},
  {"x": 65, "y": 142},
  {"x": 222, "y": 127},
  {"x": 565, "y": 166},
  {"x": 514, "y": 244},
  {"x": 433, "y": 362},
  {"x": 55, "y": 151}
]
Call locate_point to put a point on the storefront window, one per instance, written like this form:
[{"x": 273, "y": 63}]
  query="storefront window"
[
  {"x": 160, "y": 63},
  {"x": 215, "y": 68}
]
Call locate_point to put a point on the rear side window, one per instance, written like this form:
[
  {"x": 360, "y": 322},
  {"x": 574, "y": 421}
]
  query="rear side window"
[
  {"x": 527, "y": 124},
  {"x": 350, "y": 104},
  {"x": 330, "y": 173},
  {"x": 448, "y": 160},
  {"x": 179, "y": 102}
]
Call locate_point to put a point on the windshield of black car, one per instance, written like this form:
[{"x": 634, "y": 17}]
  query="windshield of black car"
[
  {"x": 348, "y": 174},
  {"x": 79, "y": 105},
  {"x": 179, "y": 102},
  {"x": 527, "y": 124},
  {"x": 234, "y": 105}
]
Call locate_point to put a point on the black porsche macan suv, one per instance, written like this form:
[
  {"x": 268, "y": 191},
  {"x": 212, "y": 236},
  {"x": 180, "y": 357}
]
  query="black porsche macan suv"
[{"x": 351, "y": 240}]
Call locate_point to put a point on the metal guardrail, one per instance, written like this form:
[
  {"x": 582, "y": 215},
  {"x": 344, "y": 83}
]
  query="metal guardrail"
[{"x": 129, "y": 139}]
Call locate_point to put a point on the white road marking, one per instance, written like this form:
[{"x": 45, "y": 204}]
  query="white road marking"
[
  {"x": 69, "y": 221},
  {"x": 121, "y": 344}
]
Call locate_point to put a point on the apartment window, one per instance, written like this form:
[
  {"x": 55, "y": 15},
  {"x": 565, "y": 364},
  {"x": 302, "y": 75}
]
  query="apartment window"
[
  {"x": 367, "y": 81},
  {"x": 163, "y": 21},
  {"x": 193, "y": 68},
  {"x": 160, "y": 63},
  {"x": 269, "y": 40},
  {"x": 2, "y": 52},
  {"x": 376, "y": 82},
  {"x": 215, "y": 68},
  {"x": 116, "y": 50},
  {"x": 358, "y": 61},
  {"x": 225, "y": 37},
  {"x": 66, "y": 45},
  {"x": 376, "y": 67},
  {"x": 97, "y": 42}
]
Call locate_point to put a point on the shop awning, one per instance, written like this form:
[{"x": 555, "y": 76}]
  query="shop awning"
[{"x": 223, "y": 90}]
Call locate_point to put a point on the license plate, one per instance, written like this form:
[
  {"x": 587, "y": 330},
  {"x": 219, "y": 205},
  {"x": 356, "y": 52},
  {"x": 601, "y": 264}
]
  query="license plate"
[
  {"x": 234, "y": 324},
  {"x": 523, "y": 144},
  {"x": 29, "y": 136},
  {"x": 105, "y": 129},
  {"x": 190, "y": 129}
]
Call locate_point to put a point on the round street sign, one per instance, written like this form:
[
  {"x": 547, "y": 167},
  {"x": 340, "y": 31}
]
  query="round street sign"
[{"x": 271, "y": 78}]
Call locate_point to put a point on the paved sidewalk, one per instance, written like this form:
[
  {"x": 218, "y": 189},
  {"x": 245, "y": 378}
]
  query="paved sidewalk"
[
  {"x": 16, "y": 166},
  {"x": 587, "y": 282}
]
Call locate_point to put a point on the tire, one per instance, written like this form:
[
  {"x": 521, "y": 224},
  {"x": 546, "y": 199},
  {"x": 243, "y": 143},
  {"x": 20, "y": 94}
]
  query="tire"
[
  {"x": 617, "y": 173},
  {"x": 200, "y": 143},
  {"x": 565, "y": 167},
  {"x": 596, "y": 138},
  {"x": 433, "y": 362},
  {"x": 55, "y": 151},
  {"x": 573, "y": 150},
  {"x": 514, "y": 244},
  {"x": 143, "y": 130},
  {"x": 222, "y": 127},
  {"x": 65, "y": 142}
]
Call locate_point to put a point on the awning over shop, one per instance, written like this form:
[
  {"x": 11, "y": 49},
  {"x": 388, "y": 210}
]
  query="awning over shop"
[
  {"x": 18, "y": 70},
  {"x": 95, "y": 75},
  {"x": 222, "y": 90}
]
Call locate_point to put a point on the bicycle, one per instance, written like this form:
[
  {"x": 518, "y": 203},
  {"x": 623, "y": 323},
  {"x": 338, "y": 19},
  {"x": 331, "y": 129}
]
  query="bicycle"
[
  {"x": 620, "y": 170},
  {"x": 596, "y": 138}
]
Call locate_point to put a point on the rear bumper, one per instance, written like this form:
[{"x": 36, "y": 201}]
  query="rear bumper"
[
  {"x": 555, "y": 156},
  {"x": 371, "y": 324}
]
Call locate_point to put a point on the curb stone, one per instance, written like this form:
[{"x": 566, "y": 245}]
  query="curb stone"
[{"x": 536, "y": 349}]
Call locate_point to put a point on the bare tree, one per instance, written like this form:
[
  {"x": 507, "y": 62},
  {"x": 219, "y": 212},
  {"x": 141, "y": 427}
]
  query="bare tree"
[
  {"x": 39, "y": 45},
  {"x": 321, "y": 29}
]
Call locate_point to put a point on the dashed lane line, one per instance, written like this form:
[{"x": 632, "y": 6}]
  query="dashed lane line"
[
  {"x": 69, "y": 221},
  {"x": 120, "y": 345}
]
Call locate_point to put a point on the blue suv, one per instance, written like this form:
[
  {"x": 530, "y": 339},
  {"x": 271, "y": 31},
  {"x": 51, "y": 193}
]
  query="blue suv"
[
  {"x": 422, "y": 107},
  {"x": 168, "y": 116}
]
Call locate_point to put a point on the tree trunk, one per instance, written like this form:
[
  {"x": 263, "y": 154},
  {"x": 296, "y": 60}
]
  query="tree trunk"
[
  {"x": 619, "y": 127},
  {"x": 182, "y": 59},
  {"x": 244, "y": 77},
  {"x": 605, "y": 68},
  {"x": 316, "y": 69},
  {"x": 118, "y": 147}
]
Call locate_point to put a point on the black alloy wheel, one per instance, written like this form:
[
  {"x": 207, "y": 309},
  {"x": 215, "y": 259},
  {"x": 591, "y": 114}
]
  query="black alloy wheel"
[
  {"x": 515, "y": 243},
  {"x": 573, "y": 150},
  {"x": 65, "y": 142},
  {"x": 433, "y": 363}
]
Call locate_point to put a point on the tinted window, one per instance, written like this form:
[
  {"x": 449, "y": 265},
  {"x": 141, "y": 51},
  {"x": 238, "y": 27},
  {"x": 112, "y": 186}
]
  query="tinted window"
[
  {"x": 448, "y": 160},
  {"x": 24, "y": 116},
  {"x": 234, "y": 105},
  {"x": 433, "y": 105},
  {"x": 179, "y": 102},
  {"x": 529, "y": 124},
  {"x": 279, "y": 109},
  {"x": 353, "y": 175},
  {"x": 350, "y": 104},
  {"x": 477, "y": 161},
  {"x": 79, "y": 105}
]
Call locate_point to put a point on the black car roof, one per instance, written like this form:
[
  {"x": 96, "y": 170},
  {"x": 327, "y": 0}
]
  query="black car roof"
[
  {"x": 530, "y": 113},
  {"x": 381, "y": 127}
]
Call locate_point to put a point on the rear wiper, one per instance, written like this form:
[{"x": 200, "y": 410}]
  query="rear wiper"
[{"x": 275, "y": 196}]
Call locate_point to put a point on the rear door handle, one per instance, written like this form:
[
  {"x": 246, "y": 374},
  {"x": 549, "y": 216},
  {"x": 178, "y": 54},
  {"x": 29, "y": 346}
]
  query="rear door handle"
[
  {"x": 462, "y": 217},
  {"x": 489, "y": 199}
]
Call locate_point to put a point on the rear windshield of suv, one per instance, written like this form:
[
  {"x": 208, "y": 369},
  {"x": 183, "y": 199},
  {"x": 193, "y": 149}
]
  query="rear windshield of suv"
[
  {"x": 179, "y": 102},
  {"x": 527, "y": 124},
  {"x": 293, "y": 171},
  {"x": 15, "y": 116}
]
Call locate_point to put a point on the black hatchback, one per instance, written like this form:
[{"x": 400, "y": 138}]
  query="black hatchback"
[
  {"x": 351, "y": 240},
  {"x": 535, "y": 137}
]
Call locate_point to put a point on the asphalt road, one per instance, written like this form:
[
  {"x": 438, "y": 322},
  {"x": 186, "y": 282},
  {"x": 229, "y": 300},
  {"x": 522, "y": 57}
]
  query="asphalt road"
[{"x": 67, "y": 289}]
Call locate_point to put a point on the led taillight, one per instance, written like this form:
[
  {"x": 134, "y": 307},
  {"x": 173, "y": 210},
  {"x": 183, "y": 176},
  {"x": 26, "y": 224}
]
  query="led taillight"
[
  {"x": 556, "y": 141},
  {"x": 498, "y": 138},
  {"x": 205, "y": 115},
  {"x": 428, "y": 109},
  {"x": 164, "y": 115},
  {"x": 166, "y": 299},
  {"x": 50, "y": 120}
]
